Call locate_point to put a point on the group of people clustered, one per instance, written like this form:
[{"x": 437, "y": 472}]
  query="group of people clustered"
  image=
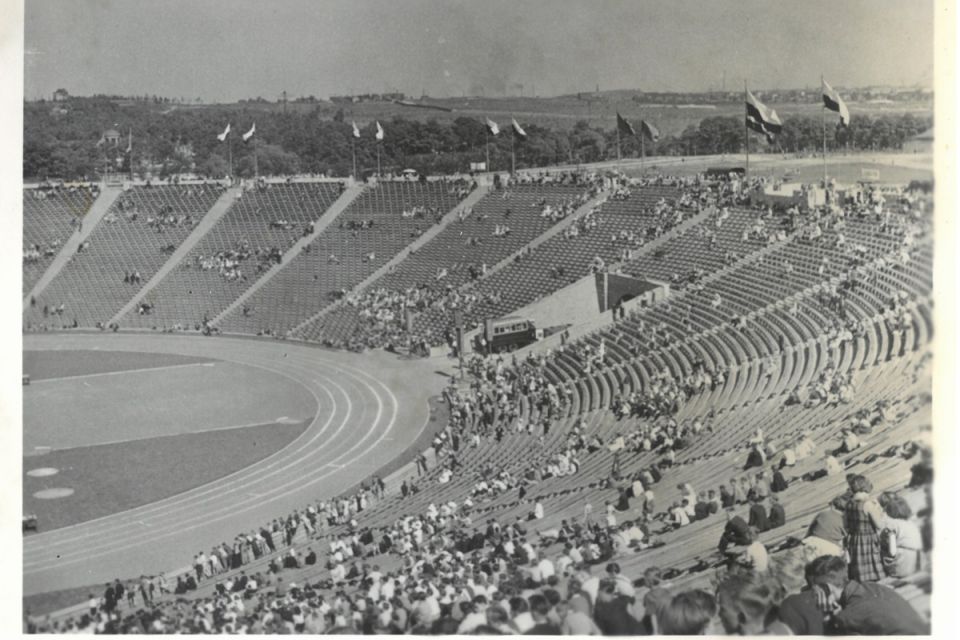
[{"x": 453, "y": 573}]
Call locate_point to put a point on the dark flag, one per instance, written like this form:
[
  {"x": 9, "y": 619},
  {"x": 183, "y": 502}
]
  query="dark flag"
[
  {"x": 761, "y": 118},
  {"x": 625, "y": 127},
  {"x": 649, "y": 131}
]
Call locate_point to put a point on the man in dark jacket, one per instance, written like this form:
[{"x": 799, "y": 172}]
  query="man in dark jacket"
[
  {"x": 778, "y": 516},
  {"x": 540, "y": 610},
  {"x": 736, "y": 532},
  {"x": 860, "y": 608},
  {"x": 611, "y": 612},
  {"x": 758, "y": 515}
]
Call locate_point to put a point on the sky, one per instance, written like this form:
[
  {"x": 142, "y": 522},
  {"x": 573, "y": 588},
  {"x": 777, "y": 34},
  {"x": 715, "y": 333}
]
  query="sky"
[{"x": 224, "y": 50}]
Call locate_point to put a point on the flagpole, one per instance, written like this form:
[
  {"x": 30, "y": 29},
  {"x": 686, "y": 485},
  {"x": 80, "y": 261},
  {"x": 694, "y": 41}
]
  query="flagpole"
[
  {"x": 353, "y": 143},
  {"x": 823, "y": 123},
  {"x": 746, "y": 134},
  {"x": 486, "y": 144},
  {"x": 513, "y": 155},
  {"x": 230, "y": 156},
  {"x": 378, "y": 160},
  {"x": 618, "y": 146},
  {"x": 643, "y": 151},
  {"x": 130, "y": 154},
  {"x": 256, "y": 164}
]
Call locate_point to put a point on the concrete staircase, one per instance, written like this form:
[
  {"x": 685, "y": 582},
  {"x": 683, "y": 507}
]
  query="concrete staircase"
[
  {"x": 219, "y": 208},
  {"x": 97, "y": 210},
  {"x": 346, "y": 198},
  {"x": 414, "y": 246}
]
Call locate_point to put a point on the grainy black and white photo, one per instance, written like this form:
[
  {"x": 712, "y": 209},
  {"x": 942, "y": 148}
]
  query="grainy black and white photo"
[{"x": 493, "y": 317}]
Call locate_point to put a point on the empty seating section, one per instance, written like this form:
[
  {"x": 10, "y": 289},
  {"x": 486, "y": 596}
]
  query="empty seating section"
[
  {"x": 239, "y": 249},
  {"x": 50, "y": 216},
  {"x": 371, "y": 231},
  {"x": 143, "y": 226},
  {"x": 620, "y": 225}
]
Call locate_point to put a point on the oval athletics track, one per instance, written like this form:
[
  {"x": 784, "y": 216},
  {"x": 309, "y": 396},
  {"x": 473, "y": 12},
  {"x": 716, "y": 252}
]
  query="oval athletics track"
[{"x": 371, "y": 407}]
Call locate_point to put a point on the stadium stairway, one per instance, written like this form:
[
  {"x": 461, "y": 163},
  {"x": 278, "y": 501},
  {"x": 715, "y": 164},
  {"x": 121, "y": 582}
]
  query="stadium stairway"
[
  {"x": 346, "y": 198},
  {"x": 467, "y": 203},
  {"x": 92, "y": 218},
  {"x": 219, "y": 208}
]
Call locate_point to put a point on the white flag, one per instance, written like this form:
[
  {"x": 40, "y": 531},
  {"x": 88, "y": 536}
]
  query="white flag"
[
  {"x": 517, "y": 129},
  {"x": 379, "y": 131},
  {"x": 223, "y": 136},
  {"x": 249, "y": 134},
  {"x": 833, "y": 101},
  {"x": 356, "y": 131},
  {"x": 492, "y": 127}
]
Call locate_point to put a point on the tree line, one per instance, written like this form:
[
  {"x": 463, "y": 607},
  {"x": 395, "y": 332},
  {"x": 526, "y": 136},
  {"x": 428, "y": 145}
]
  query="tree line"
[{"x": 62, "y": 143}]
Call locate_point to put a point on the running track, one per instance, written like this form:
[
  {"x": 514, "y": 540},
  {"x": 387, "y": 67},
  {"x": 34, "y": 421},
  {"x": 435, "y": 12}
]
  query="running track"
[{"x": 371, "y": 407}]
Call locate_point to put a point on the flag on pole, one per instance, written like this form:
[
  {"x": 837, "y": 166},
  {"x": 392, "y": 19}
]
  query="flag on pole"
[
  {"x": 649, "y": 131},
  {"x": 249, "y": 134},
  {"x": 223, "y": 136},
  {"x": 625, "y": 127},
  {"x": 356, "y": 131},
  {"x": 379, "y": 135},
  {"x": 492, "y": 127},
  {"x": 762, "y": 118},
  {"x": 833, "y": 101},
  {"x": 129, "y": 141},
  {"x": 517, "y": 129}
]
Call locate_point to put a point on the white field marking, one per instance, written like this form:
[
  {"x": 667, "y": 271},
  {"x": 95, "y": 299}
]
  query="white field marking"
[
  {"x": 105, "y": 547},
  {"x": 53, "y": 494},
  {"x": 298, "y": 483},
  {"x": 117, "y": 527},
  {"x": 43, "y": 472},
  {"x": 366, "y": 375},
  {"x": 121, "y": 373}
]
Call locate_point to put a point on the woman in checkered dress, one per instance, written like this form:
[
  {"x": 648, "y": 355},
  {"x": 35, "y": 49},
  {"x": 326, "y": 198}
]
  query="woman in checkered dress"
[{"x": 863, "y": 520}]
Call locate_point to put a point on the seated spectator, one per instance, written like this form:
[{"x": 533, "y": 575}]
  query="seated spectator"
[
  {"x": 903, "y": 546},
  {"x": 849, "y": 441},
  {"x": 800, "y": 610},
  {"x": 832, "y": 466},
  {"x": 542, "y": 625},
  {"x": 778, "y": 482},
  {"x": 747, "y": 605},
  {"x": 758, "y": 514},
  {"x": 702, "y": 508},
  {"x": 727, "y": 499},
  {"x": 577, "y": 620},
  {"x": 858, "y": 608},
  {"x": 827, "y": 532},
  {"x": 756, "y": 457},
  {"x": 735, "y": 532},
  {"x": 777, "y": 516},
  {"x": 611, "y": 612},
  {"x": 688, "y": 614},
  {"x": 678, "y": 515}
]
